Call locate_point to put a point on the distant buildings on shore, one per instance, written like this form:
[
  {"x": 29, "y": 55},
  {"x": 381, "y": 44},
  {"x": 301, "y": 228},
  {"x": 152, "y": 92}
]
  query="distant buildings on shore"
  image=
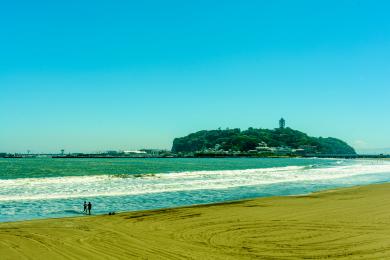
[
  {"x": 263, "y": 149},
  {"x": 142, "y": 153}
]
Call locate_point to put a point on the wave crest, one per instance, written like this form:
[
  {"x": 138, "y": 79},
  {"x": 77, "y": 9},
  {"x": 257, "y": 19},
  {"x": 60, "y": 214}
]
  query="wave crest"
[{"x": 134, "y": 184}]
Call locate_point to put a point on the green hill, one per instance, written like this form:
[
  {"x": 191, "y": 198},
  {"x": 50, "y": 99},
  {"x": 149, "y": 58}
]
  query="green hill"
[{"x": 248, "y": 140}]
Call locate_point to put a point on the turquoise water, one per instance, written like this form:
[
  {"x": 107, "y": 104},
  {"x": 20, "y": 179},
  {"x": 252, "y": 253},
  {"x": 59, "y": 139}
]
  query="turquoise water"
[{"x": 45, "y": 187}]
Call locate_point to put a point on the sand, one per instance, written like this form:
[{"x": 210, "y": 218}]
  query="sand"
[{"x": 339, "y": 224}]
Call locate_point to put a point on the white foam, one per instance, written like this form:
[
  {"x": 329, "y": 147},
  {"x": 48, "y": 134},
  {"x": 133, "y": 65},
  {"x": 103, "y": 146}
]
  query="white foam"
[{"x": 108, "y": 185}]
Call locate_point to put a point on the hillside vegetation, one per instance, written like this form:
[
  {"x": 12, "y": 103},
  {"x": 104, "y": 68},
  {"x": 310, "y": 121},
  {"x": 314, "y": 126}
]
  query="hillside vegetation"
[{"x": 244, "y": 141}]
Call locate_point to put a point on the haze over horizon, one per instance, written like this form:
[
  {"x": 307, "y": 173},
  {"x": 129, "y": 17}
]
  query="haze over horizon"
[{"x": 99, "y": 75}]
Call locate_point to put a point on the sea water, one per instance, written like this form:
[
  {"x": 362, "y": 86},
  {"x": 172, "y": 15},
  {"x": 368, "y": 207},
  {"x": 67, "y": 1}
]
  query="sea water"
[{"x": 44, "y": 187}]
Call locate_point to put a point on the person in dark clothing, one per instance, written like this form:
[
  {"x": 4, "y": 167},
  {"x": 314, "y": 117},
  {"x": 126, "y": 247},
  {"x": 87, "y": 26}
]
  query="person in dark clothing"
[
  {"x": 85, "y": 207},
  {"x": 89, "y": 208}
]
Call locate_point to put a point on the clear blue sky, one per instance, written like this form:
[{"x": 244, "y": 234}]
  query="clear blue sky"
[{"x": 97, "y": 75}]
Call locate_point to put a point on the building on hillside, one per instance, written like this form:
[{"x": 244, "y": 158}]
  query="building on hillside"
[
  {"x": 282, "y": 150},
  {"x": 307, "y": 149},
  {"x": 263, "y": 148}
]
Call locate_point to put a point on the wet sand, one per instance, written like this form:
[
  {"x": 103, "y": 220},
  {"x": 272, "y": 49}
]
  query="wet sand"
[{"x": 349, "y": 223}]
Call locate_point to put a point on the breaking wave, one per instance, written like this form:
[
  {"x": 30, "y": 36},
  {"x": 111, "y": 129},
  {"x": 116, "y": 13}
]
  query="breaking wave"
[{"x": 131, "y": 184}]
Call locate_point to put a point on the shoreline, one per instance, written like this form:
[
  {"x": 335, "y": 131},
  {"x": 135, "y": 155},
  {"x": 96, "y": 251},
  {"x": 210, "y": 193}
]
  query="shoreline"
[
  {"x": 81, "y": 215},
  {"x": 338, "y": 223}
]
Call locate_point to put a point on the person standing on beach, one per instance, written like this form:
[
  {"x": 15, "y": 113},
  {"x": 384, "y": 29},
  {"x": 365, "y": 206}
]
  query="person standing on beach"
[
  {"x": 85, "y": 207},
  {"x": 89, "y": 208}
]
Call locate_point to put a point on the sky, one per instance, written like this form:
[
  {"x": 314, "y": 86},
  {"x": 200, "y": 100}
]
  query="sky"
[{"x": 96, "y": 75}]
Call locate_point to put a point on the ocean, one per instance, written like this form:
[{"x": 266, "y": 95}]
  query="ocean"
[{"x": 32, "y": 188}]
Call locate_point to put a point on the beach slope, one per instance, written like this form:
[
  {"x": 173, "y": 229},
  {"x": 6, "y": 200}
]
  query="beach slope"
[{"x": 338, "y": 224}]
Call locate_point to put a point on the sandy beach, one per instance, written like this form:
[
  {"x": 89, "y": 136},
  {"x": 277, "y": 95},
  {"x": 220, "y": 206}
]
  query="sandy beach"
[{"x": 347, "y": 223}]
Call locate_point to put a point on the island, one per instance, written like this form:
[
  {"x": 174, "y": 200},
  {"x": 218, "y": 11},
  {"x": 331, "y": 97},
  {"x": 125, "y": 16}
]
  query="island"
[{"x": 282, "y": 141}]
